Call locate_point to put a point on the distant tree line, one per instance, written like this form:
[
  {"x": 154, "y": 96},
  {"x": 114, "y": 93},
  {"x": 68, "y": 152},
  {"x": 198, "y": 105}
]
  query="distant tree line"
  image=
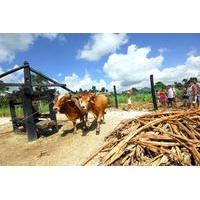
[
  {"x": 178, "y": 85},
  {"x": 92, "y": 90}
]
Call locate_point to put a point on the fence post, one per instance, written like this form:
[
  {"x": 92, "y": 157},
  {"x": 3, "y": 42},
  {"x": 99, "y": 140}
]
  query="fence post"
[
  {"x": 115, "y": 95},
  {"x": 153, "y": 93},
  {"x": 27, "y": 100}
]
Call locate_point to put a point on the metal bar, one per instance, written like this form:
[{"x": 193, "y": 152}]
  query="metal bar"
[
  {"x": 11, "y": 71},
  {"x": 115, "y": 94},
  {"x": 154, "y": 99},
  {"x": 11, "y": 84},
  {"x": 46, "y": 77}
]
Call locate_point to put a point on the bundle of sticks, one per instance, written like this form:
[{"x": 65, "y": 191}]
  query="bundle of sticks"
[{"x": 159, "y": 138}]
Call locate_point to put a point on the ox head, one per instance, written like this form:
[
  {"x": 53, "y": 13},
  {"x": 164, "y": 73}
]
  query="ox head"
[
  {"x": 61, "y": 101},
  {"x": 86, "y": 99}
]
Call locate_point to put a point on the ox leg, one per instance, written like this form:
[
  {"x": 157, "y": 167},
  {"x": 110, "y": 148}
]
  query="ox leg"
[
  {"x": 74, "y": 126},
  {"x": 103, "y": 118},
  {"x": 86, "y": 120},
  {"x": 98, "y": 123}
]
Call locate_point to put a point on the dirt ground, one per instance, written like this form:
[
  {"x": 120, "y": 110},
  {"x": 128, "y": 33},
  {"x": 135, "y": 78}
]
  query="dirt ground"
[{"x": 62, "y": 148}]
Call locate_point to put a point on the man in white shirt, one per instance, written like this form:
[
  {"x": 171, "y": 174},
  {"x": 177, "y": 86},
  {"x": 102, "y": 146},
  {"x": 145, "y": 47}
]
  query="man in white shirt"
[{"x": 170, "y": 95}]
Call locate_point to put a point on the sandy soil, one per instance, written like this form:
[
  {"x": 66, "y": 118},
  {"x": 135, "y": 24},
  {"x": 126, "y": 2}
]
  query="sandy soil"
[{"x": 62, "y": 148}]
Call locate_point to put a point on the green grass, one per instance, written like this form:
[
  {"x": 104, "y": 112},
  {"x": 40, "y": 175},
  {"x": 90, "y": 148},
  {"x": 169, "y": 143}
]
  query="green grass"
[
  {"x": 122, "y": 99},
  {"x": 5, "y": 110},
  {"x": 138, "y": 97}
]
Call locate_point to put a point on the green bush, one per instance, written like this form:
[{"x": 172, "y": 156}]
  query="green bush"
[
  {"x": 138, "y": 97},
  {"x": 5, "y": 110}
]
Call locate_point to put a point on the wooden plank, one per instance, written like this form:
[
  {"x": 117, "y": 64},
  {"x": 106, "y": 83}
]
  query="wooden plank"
[
  {"x": 52, "y": 113},
  {"x": 11, "y": 71},
  {"x": 13, "y": 115},
  {"x": 11, "y": 84},
  {"x": 49, "y": 85},
  {"x": 28, "y": 109}
]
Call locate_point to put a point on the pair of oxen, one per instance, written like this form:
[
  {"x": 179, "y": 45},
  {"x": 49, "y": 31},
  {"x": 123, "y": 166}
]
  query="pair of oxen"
[{"x": 77, "y": 107}]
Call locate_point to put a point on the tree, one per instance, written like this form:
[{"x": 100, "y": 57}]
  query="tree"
[
  {"x": 3, "y": 98},
  {"x": 103, "y": 89},
  {"x": 160, "y": 86},
  {"x": 37, "y": 79},
  {"x": 94, "y": 89},
  {"x": 80, "y": 90},
  {"x": 178, "y": 85},
  {"x": 193, "y": 78},
  {"x": 3, "y": 89},
  {"x": 134, "y": 89},
  {"x": 184, "y": 81}
]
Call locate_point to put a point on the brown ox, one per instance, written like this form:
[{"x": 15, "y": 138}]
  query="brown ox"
[
  {"x": 96, "y": 104},
  {"x": 69, "y": 105}
]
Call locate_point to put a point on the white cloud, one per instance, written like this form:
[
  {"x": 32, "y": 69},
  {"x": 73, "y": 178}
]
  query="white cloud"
[
  {"x": 59, "y": 74},
  {"x": 74, "y": 82},
  {"x": 192, "y": 52},
  {"x": 134, "y": 68},
  {"x": 162, "y": 50},
  {"x": 50, "y": 36},
  {"x": 102, "y": 44},
  {"x": 11, "y": 43}
]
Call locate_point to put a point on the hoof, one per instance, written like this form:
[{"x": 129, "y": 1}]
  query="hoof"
[
  {"x": 84, "y": 134},
  {"x": 75, "y": 132},
  {"x": 97, "y": 132}
]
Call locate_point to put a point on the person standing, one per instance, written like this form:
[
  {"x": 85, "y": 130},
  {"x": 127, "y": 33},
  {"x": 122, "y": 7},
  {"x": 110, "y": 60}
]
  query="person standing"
[
  {"x": 185, "y": 95},
  {"x": 174, "y": 92},
  {"x": 190, "y": 93},
  {"x": 129, "y": 93},
  {"x": 162, "y": 98},
  {"x": 198, "y": 95},
  {"x": 157, "y": 97},
  {"x": 170, "y": 95},
  {"x": 195, "y": 91}
]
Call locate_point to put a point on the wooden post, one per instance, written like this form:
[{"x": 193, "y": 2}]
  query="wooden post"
[
  {"x": 51, "y": 111},
  {"x": 13, "y": 115},
  {"x": 153, "y": 93},
  {"x": 28, "y": 109},
  {"x": 115, "y": 94}
]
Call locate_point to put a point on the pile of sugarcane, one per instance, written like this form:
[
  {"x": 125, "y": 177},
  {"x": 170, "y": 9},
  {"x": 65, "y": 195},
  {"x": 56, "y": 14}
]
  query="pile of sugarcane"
[{"x": 160, "y": 138}]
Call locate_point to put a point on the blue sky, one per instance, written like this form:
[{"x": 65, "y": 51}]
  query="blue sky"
[{"x": 81, "y": 60}]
